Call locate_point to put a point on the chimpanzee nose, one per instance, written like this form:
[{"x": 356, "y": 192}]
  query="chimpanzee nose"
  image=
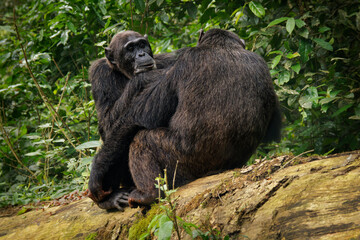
[{"x": 141, "y": 54}]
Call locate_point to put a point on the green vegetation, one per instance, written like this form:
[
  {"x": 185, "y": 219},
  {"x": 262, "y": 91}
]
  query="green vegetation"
[
  {"x": 162, "y": 221},
  {"x": 48, "y": 124}
]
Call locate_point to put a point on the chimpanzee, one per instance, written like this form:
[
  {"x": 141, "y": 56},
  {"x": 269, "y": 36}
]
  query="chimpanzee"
[
  {"x": 209, "y": 111},
  {"x": 128, "y": 54}
]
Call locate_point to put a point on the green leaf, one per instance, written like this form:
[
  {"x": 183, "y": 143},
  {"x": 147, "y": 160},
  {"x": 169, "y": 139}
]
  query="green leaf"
[
  {"x": 4, "y": 57},
  {"x": 305, "y": 49},
  {"x": 322, "y": 43},
  {"x": 355, "y": 117},
  {"x": 140, "y": 5},
  {"x": 71, "y": 26},
  {"x": 293, "y": 55},
  {"x": 90, "y": 144},
  {"x": 275, "y": 52},
  {"x": 305, "y": 102},
  {"x": 36, "y": 153},
  {"x": 165, "y": 230},
  {"x": 191, "y": 9},
  {"x": 296, "y": 68},
  {"x": 275, "y": 61},
  {"x": 324, "y": 29},
  {"x": 304, "y": 33},
  {"x": 102, "y": 6},
  {"x": 341, "y": 110},
  {"x": 159, "y": 2},
  {"x": 208, "y": 14},
  {"x": 284, "y": 77},
  {"x": 64, "y": 37},
  {"x": 290, "y": 25},
  {"x": 277, "y": 21},
  {"x": 326, "y": 100},
  {"x": 257, "y": 9},
  {"x": 299, "y": 23}
]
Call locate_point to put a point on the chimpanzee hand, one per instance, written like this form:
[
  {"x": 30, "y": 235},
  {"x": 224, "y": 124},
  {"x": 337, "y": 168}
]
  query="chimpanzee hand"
[
  {"x": 116, "y": 200},
  {"x": 96, "y": 180}
]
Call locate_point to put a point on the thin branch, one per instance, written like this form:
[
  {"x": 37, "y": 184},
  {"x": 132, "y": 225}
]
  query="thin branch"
[
  {"x": 297, "y": 157},
  {"x": 42, "y": 94},
  {"x": 58, "y": 106},
  {"x": 58, "y": 67},
  {"x": 131, "y": 12},
  {"x": 8, "y": 142}
]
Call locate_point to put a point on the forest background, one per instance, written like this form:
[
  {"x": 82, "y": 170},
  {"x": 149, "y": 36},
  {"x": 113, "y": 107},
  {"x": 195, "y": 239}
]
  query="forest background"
[{"x": 48, "y": 123}]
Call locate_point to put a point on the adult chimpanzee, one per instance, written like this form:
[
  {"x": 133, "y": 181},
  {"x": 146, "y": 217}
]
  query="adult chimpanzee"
[
  {"x": 129, "y": 53},
  {"x": 209, "y": 111}
]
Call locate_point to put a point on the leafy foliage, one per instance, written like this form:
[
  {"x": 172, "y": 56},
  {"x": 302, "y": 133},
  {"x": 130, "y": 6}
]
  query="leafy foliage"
[
  {"x": 166, "y": 223},
  {"x": 46, "y": 120}
]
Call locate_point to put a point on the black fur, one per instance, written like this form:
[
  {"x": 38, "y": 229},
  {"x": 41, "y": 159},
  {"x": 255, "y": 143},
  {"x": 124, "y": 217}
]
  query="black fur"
[
  {"x": 209, "y": 111},
  {"x": 112, "y": 94}
]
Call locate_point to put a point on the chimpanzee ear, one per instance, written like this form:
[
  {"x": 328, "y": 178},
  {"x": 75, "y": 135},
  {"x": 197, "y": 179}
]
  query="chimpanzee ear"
[
  {"x": 109, "y": 55},
  {"x": 243, "y": 42},
  {"x": 146, "y": 37},
  {"x": 201, "y": 34}
]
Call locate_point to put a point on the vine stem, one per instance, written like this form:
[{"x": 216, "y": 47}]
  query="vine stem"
[
  {"x": 51, "y": 108},
  {"x": 7, "y": 140}
]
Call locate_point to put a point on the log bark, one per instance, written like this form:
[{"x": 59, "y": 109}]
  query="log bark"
[{"x": 283, "y": 198}]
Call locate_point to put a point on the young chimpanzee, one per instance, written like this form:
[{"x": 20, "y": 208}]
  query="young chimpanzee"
[{"x": 209, "y": 111}]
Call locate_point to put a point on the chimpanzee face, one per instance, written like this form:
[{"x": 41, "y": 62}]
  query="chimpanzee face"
[
  {"x": 130, "y": 53},
  {"x": 138, "y": 52}
]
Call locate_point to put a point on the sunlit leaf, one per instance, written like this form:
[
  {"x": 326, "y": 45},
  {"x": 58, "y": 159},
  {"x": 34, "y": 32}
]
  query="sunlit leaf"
[
  {"x": 36, "y": 153},
  {"x": 277, "y": 21},
  {"x": 293, "y": 55},
  {"x": 299, "y": 23},
  {"x": 290, "y": 25},
  {"x": 64, "y": 37},
  {"x": 296, "y": 68},
  {"x": 90, "y": 144},
  {"x": 165, "y": 230},
  {"x": 284, "y": 77},
  {"x": 257, "y": 9},
  {"x": 305, "y": 102},
  {"x": 275, "y": 61}
]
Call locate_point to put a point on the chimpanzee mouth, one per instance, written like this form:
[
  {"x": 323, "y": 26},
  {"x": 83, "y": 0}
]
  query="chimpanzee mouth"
[{"x": 144, "y": 68}]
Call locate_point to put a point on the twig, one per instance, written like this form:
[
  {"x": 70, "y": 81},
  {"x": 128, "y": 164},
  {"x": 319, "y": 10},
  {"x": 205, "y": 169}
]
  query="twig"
[
  {"x": 58, "y": 67},
  {"x": 297, "y": 157},
  {"x": 58, "y": 107},
  {"x": 175, "y": 174},
  {"x": 42, "y": 94},
  {"x": 8, "y": 142},
  {"x": 86, "y": 100},
  {"x": 131, "y": 12}
]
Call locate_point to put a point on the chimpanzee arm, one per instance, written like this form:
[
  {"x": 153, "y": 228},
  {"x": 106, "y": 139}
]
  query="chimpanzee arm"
[{"x": 152, "y": 108}]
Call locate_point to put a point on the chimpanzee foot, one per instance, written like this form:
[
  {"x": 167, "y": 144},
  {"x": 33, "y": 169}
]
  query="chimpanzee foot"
[
  {"x": 116, "y": 200},
  {"x": 138, "y": 198}
]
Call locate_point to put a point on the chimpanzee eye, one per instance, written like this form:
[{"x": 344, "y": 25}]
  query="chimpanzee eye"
[
  {"x": 130, "y": 48},
  {"x": 141, "y": 44}
]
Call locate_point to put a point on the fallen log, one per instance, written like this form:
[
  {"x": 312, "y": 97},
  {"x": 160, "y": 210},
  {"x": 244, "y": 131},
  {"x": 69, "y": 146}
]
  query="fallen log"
[{"x": 282, "y": 198}]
